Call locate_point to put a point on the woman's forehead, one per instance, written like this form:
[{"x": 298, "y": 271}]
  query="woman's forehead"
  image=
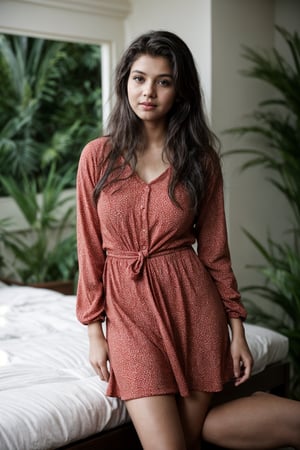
[{"x": 149, "y": 64}]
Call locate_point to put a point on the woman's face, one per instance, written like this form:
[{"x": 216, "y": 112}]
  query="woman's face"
[{"x": 150, "y": 88}]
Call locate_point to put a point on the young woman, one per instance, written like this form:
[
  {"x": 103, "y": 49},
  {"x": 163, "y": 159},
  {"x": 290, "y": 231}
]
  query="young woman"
[{"x": 147, "y": 192}]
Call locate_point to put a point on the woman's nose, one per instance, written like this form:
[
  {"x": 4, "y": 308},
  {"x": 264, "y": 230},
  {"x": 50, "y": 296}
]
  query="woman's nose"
[{"x": 149, "y": 89}]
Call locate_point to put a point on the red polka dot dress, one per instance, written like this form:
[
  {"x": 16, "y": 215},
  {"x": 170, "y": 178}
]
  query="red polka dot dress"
[{"x": 166, "y": 305}]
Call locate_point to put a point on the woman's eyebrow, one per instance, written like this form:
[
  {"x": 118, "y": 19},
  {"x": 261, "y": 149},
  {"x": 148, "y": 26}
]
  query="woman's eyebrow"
[{"x": 159, "y": 75}]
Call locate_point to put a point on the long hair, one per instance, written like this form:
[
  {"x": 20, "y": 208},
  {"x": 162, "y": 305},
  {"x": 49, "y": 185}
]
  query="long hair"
[{"x": 190, "y": 146}]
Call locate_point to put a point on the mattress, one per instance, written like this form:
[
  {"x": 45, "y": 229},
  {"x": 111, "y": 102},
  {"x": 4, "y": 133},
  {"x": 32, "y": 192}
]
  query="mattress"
[{"x": 49, "y": 394}]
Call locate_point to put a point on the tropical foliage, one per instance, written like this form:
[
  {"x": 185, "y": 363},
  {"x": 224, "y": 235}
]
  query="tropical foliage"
[
  {"x": 42, "y": 252},
  {"x": 50, "y": 104},
  {"x": 4, "y": 223},
  {"x": 277, "y": 123}
]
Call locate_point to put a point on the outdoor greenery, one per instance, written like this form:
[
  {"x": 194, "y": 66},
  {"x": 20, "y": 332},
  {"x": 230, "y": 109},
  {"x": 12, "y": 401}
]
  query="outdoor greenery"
[
  {"x": 42, "y": 252},
  {"x": 277, "y": 123},
  {"x": 50, "y": 107},
  {"x": 4, "y": 223}
]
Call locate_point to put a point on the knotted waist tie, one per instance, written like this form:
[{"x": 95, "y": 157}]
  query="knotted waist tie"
[{"x": 136, "y": 266}]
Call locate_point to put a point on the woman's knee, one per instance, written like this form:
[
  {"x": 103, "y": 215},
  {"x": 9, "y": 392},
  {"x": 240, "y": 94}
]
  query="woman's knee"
[
  {"x": 157, "y": 422},
  {"x": 192, "y": 410}
]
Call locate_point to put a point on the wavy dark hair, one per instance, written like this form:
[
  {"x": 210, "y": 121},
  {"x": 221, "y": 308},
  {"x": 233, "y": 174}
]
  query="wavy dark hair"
[{"x": 190, "y": 146}]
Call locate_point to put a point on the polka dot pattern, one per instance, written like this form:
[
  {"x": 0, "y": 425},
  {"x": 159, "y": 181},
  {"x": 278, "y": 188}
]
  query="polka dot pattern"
[{"x": 166, "y": 305}]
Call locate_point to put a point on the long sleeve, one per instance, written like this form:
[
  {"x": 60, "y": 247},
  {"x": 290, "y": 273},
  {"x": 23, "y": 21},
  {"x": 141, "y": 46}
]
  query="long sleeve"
[
  {"x": 213, "y": 248},
  {"x": 91, "y": 257}
]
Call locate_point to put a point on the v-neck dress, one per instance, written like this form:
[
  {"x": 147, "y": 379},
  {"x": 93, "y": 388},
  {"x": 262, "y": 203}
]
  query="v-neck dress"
[{"x": 165, "y": 304}]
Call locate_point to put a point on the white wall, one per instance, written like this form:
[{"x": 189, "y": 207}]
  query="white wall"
[
  {"x": 287, "y": 15},
  {"x": 190, "y": 19},
  {"x": 248, "y": 196}
]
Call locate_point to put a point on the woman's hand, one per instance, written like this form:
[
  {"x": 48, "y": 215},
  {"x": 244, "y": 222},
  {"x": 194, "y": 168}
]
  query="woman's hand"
[
  {"x": 98, "y": 354},
  {"x": 241, "y": 355}
]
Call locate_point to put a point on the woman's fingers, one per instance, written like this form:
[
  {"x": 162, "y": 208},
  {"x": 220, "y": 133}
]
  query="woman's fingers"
[
  {"x": 236, "y": 367},
  {"x": 103, "y": 372},
  {"x": 99, "y": 357},
  {"x": 242, "y": 368}
]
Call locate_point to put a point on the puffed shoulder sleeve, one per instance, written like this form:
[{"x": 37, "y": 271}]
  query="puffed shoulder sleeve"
[
  {"x": 91, "y": 257},
  {"x": 213, "y": 249}
]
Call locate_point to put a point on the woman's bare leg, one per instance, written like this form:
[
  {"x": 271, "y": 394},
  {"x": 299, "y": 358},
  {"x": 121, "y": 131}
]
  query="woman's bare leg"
[
  {"x": 261, "y": 421},
  {"x": 192, "y": 410},
  {"x": 157, "y": 422}
]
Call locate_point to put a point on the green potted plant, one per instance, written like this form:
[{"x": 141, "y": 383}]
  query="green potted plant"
[
  {"x": 277, "y": 123},
  {"x": 44, "y": 253}
]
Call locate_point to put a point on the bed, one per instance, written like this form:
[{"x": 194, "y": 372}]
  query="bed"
[{"x": 50, "y": 397}]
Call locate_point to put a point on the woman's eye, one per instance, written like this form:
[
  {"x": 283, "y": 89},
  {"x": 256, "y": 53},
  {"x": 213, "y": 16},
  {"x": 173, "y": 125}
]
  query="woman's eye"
[
  {"x": 138, "y": 78},
  {"x": 164, "y": 83}
]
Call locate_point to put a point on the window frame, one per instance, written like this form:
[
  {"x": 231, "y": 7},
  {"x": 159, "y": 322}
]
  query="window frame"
[{"x": 87, "y": 21}]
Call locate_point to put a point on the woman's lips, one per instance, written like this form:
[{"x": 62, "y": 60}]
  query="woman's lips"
[{"x": 148, "y": 106}]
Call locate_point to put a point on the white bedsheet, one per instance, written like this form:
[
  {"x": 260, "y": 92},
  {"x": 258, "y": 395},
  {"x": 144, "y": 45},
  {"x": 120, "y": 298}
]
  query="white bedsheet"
[{"x": 49, "y": 394}]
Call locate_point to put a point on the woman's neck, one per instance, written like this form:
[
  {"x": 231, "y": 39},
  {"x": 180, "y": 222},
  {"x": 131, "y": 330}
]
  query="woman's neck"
[{"x": 154, "y": 138}]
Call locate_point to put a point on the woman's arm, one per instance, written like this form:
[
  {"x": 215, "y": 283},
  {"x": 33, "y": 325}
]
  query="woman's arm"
[
  {"x": 90, "y": 306},
  {"x": 91, "y": 256},
  {"x": 98, "y": 350},
  {"x": 213, "y": 250},
  {"x": 214, "y": 253}
]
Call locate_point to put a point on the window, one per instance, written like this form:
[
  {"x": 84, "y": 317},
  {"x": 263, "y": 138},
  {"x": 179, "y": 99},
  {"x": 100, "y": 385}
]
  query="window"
[{"x": 50, "y": 104}]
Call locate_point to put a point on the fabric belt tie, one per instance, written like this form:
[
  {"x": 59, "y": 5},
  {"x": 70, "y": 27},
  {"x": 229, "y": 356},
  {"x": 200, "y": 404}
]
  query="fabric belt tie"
[{"x": 136, "y": 266}]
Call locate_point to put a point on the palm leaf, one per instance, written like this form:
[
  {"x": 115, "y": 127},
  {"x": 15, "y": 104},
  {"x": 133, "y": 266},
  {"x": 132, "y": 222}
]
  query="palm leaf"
[{"x": 25, "y": 198}]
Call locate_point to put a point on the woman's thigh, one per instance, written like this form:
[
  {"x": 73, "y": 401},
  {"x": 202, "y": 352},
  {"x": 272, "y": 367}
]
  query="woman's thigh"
[
  {"x": 157, "y": 422},
  {"x": 192, "y": 411},
  {"x": 261, "y": 421}
]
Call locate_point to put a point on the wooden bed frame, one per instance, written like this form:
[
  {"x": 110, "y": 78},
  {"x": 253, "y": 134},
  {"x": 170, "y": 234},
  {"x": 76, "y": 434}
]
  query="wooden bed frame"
[{"x": 275, "y": 379}]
